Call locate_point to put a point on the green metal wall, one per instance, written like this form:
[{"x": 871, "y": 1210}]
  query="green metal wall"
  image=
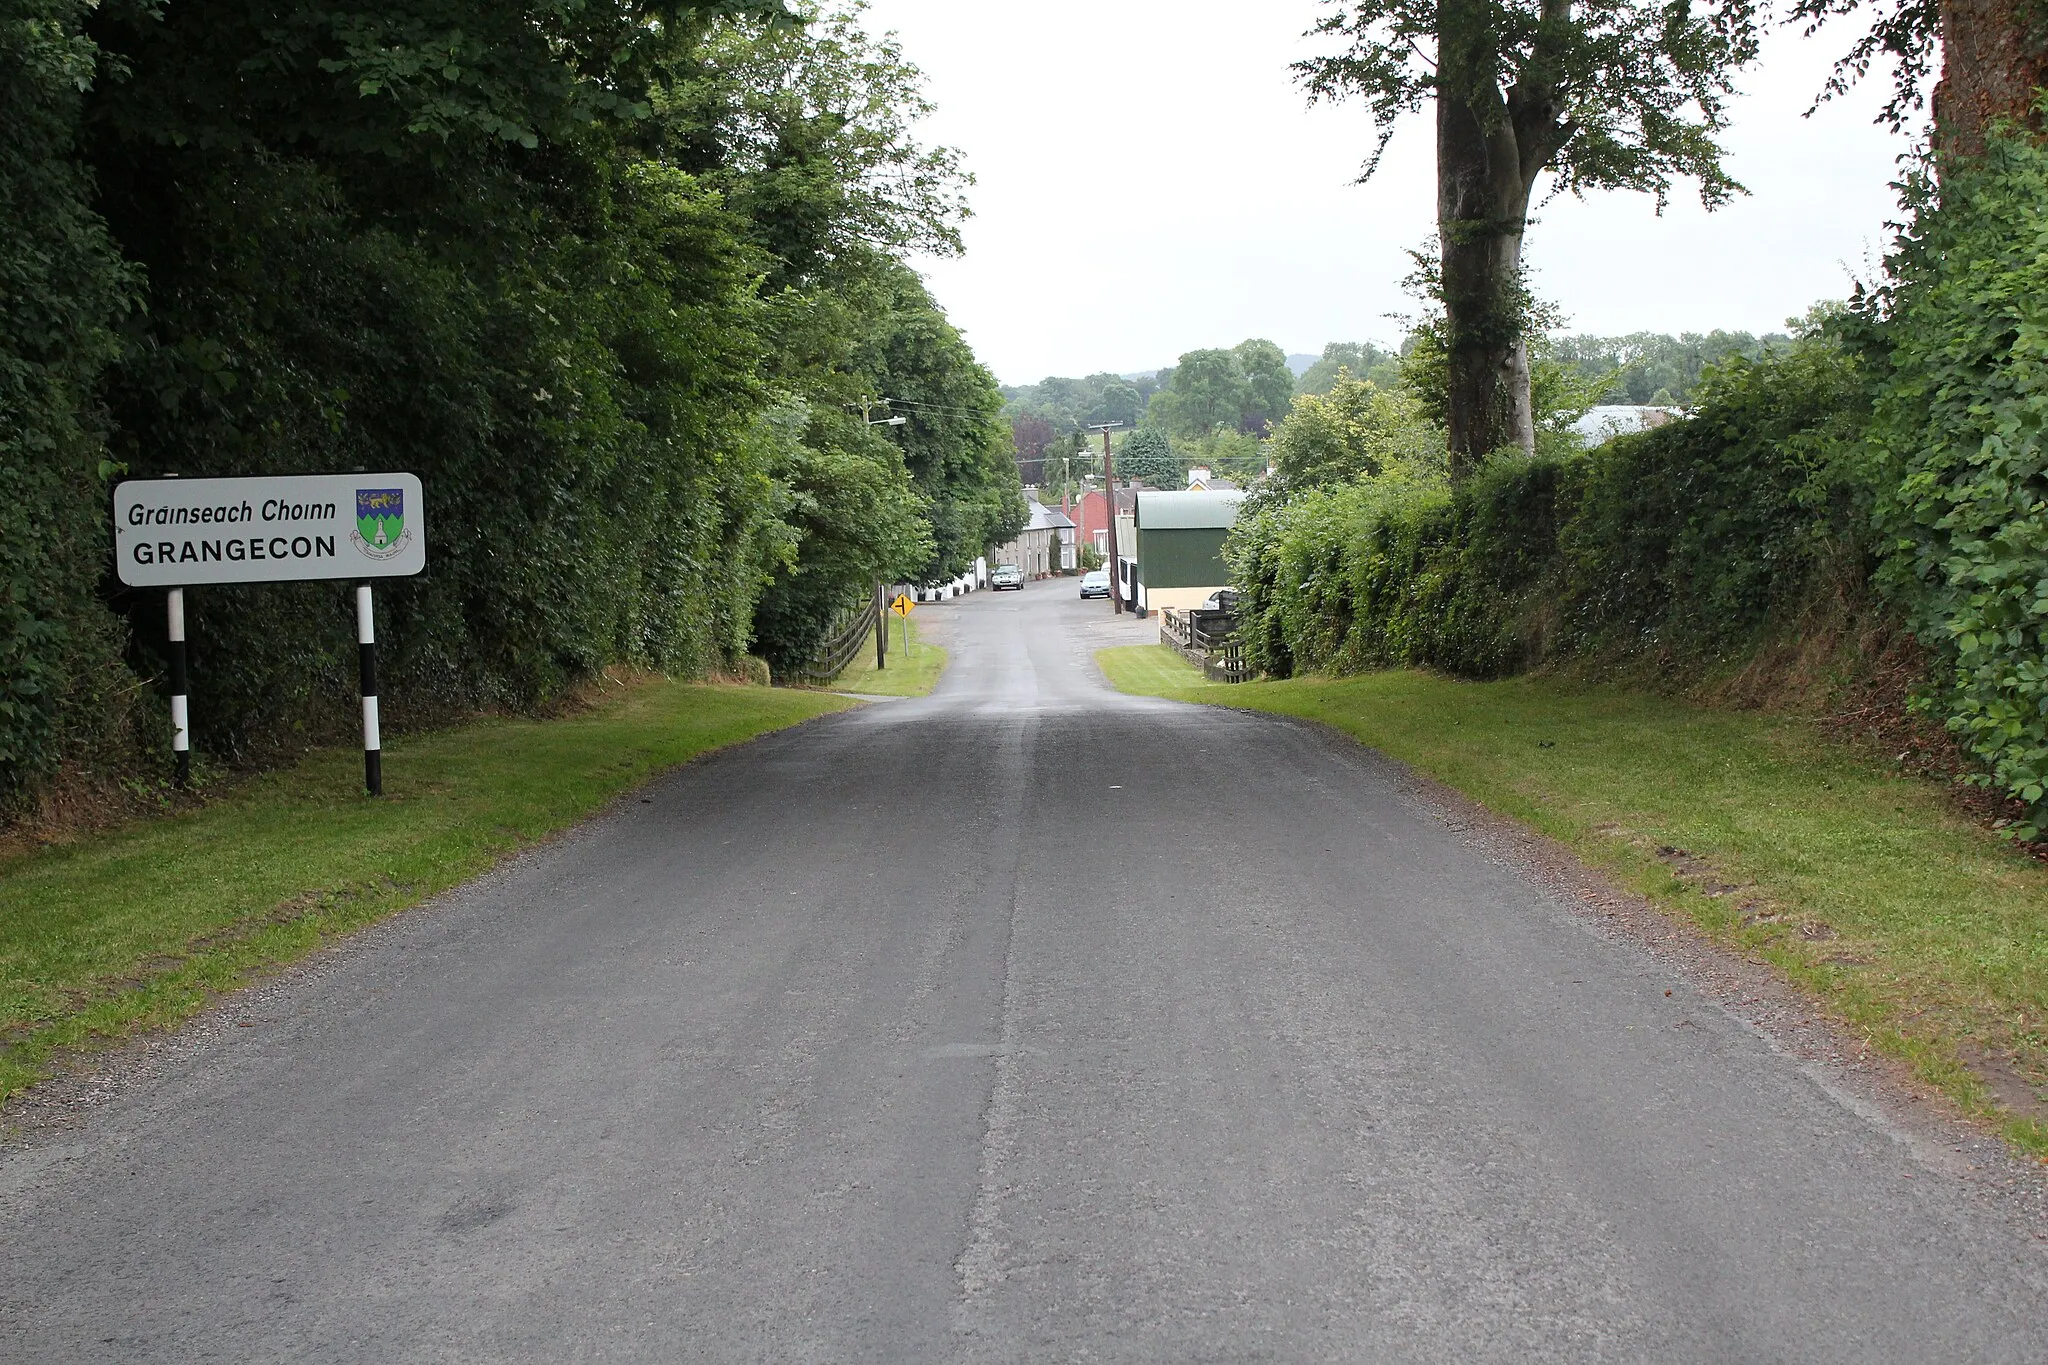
[{"x": 1190, "y": 558}]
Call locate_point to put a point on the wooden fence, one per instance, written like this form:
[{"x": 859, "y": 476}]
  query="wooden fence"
[
  {"x": 849, "y": 631},
  {"x": 1207, "y": 639}
]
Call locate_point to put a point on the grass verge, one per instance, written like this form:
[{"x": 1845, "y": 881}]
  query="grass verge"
[
  {"x": 912, "y": 675},
  {"x": 138, "y": 928},
  {"x": 1916, "y": 926}
]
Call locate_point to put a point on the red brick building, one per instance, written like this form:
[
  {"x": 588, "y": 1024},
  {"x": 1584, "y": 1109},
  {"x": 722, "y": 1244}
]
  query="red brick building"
[{"x": 1091, "y": 516}]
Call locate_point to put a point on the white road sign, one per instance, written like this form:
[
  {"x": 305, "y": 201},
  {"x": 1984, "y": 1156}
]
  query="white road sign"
[{"x": 171, "y": 533}]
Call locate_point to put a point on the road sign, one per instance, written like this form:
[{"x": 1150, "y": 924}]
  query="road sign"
[
  {"x": 173, "y": 533},
  {"x": 903, "y": 606},
  {"x": 180, "y": 533}
]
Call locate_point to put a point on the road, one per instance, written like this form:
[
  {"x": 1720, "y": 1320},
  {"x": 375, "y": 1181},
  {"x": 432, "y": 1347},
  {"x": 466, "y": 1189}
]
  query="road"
[{"x": 1021, "y": 1023}]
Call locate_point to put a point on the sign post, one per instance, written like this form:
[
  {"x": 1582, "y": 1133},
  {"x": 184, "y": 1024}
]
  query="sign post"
[
  {"x": 366, "y": 658},
  {"x": 903, "y": 606},
  {"x": 177, "y": 533},
  {"x": 181, "y": 715}
]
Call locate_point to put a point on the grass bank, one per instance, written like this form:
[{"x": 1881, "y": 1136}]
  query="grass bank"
[
  {"x": 140, "y": 927},
  {"x": 907, "y": 675},
  {"x": 1867, "y": 887}
]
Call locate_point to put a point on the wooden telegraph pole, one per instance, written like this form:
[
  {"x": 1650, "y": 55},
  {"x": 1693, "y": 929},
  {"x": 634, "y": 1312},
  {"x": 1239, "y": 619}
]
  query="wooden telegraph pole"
[
  {"x": 881, "y": 621},
  {"x": 1116, "y": 585}
]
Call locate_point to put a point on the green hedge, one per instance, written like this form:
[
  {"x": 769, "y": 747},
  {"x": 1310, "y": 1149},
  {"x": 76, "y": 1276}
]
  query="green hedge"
[
  {"x": 1687, "y": 541},
  {"x": 63, "y": 290},
  {"x": 1961, "y": 439},
  {"x": 1904, "y": 442}
]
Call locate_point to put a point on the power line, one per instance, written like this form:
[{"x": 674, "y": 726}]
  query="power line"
[{"x": 941, "y": 407}]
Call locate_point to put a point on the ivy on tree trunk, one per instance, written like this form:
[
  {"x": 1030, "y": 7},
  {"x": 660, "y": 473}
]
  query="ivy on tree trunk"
[{"x": 1482, "y": 207}]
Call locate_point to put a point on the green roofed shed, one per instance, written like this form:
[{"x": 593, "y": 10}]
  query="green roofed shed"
[{"x": 1180, "y": 545}]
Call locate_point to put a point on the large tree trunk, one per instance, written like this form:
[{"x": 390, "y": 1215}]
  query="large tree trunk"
[
  {"x": 1994, "y": 55},
  {"x": 1482, "y": 205}
]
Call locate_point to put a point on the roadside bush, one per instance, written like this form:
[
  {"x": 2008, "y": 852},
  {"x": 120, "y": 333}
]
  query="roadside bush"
[
  {"x": 1695, "y": 536},
  {"x": 63, "y": 290},
  {"x": 1962, "y": 458},
  {"x": 1688, "y": 541}
]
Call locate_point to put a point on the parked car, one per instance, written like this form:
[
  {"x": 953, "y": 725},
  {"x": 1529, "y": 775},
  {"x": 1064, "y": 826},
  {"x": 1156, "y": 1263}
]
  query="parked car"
[
  {"x": 1095, "y": 583},
  {"x": 1006, "y": 576}
]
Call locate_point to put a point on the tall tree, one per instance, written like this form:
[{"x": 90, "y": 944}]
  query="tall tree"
[
  {"x": 613, "y": 275},
  {"x": 1269, "y": 384},
  {"x": 1030, "y": 435},
  {"x": 1117, "y": 400},
  {"x": 1148, "y": 457},
  {"x": 1601, "y": 94},
  {"x": 1208, "y": 388},
  {"x": 64, "y": 293}
]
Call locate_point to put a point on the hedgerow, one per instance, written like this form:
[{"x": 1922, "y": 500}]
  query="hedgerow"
[
  {"x": 63, "y": 293},
  {"x": 1688, "y": 540},
  {"x": 1962, "y": 459}
]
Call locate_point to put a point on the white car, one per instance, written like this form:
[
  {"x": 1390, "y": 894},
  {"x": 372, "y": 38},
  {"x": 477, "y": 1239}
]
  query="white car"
[{"x": 1006, "y": 576}]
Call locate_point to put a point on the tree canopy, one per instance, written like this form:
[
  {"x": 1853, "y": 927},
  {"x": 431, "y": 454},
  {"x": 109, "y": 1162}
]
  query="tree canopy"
[
  {"x": 620, "y": 281},
  {"x": 1357, "y": 430},
  {"x": 1363, "y": 359},
  {"x": 1245, "y": 388},
  {"x": 1148, "y": 456},
  {"x": 1653, "y": 368}
]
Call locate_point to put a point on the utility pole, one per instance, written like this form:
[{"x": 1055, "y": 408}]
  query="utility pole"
[
  {"x": 1116, "y": 583},
  {"x": 867, "y": 409}
]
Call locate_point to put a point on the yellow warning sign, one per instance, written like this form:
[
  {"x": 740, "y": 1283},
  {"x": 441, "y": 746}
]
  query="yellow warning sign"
[{"x": 902, "y": 606}]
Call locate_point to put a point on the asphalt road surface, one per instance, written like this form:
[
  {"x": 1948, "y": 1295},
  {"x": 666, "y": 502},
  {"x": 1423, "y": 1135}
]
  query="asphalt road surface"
[{"x": 1025, "y": 1022}]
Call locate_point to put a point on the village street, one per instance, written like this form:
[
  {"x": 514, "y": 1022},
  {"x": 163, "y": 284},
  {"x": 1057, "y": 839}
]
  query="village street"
[{"x": 1023, "y": 1022}]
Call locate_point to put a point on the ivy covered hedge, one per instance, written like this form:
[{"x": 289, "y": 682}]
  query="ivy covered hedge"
[
  {"x": 1687, "y": 540},
  {"x": 1960, "y": 439}
]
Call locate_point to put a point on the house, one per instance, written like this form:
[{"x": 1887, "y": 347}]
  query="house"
[
  {"x": 1174, "y": 557},
  {"x": 1044, "y": 546},
  {"x": 1093, "y": 510}
]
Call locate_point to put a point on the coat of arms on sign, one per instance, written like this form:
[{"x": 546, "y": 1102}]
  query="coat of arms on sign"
[{"x": 380, "y": 522}]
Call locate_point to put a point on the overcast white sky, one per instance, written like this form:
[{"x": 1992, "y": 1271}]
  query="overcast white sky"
[{"x": 1150, "y": 181}]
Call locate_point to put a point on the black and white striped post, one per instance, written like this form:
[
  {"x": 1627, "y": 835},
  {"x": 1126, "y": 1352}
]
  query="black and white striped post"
[
  {"x": 366, "y": 647},
  {"x": 171, "y": 534},
  {"x": 181, "y": 717}
]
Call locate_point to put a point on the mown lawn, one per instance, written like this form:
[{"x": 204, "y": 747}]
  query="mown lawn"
[
  {"x": 1868, "y": 887},
  {"x": 911, "y": 675},
  {"x": 139, "y": 927}
]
